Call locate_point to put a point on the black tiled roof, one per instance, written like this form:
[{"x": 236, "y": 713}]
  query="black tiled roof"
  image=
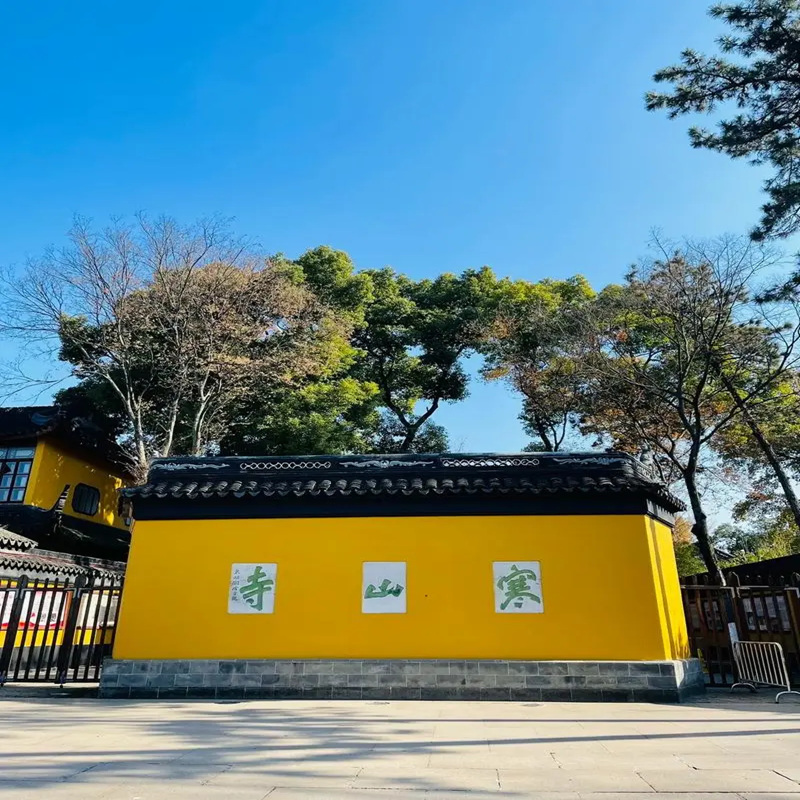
[
  {"x": 14, "y": 541},
  {"x": 398, "y": 476},
  {"x": 58, "y": 563},
  {"x": 27, "y": 422}
]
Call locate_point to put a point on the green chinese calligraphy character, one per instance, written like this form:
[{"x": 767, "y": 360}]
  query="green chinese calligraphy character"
[
  {"x": 516, "y": 586},
  {"x": 258, "y": 584},
  {"x": 384, "y": 590}
]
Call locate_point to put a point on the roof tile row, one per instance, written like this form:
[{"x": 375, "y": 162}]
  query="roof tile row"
[{"x": 391, "y": 486}]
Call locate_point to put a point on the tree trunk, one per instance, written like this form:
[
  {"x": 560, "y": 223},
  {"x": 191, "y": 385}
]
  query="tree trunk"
[
  {"x": 549, "y": 447},
  {"x": 197, "y": 430},
  {"x": 408, "y": 439},
  {"x": 138, "y": 435},
  {"x": 777, "y": 467},
  {"x": 700, "y": 528},
  {"x": 768, "y": 450},
  {"x": 166, "y": 450},
  {"x": 413, "y": 429}
]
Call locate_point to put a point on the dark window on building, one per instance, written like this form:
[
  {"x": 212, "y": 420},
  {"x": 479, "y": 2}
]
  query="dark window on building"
[
  {"x": 15, "y": 469},
  {"x": 86, "y": 499}
]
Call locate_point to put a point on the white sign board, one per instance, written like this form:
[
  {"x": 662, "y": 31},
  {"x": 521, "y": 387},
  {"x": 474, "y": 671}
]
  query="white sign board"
[
  {"x": 517, "y": 587},
  {"x": 383, "y": 587},
  {"x": 252, "y": 589},
  {"x": 40, "y": 610}
]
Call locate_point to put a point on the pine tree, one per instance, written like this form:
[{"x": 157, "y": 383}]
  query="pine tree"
[{"x": 757, "y": 71}]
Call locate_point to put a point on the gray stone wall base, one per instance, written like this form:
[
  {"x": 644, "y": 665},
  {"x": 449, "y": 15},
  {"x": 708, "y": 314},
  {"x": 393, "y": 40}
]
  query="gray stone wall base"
[{"x": 609, "y": 681}]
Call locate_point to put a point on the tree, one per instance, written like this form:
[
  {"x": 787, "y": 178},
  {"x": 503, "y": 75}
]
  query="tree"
[
  {"x": 772, "y": 532},
  {"x": 686, "y": 557},
  {"x": 733, "y": 539},
  {"x": 535, "y": 343},
  {"x": 334, "y": 279},
  {"x": 391, "y": 435},
  {"x": 764, "y": 440},
  {"x": 383, "y": 382},
  {"x": 758, "y": 71},
  {"x": 334, "y": 410},
  {"x": 171, "y": 326},
  {"x": 243, "y": 331},
  {"x": 759, "y": 360},
  {"x": 411, "y": 338},
  {"x": 414, "y": 340},
  {"x": 767, "y": 537},
  {"x": 655, "y": 387}
]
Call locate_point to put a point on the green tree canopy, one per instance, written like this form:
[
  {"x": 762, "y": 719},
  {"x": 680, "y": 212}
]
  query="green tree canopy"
[
  {"x": 414, "y": 341},
  {"x": 535, "y": 343},
  {"x": 410, "y": 340}
]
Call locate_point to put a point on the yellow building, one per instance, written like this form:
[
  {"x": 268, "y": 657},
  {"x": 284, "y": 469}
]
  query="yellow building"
[
  {"x": 527, "y": 576},
  {"x": 59, "y": 485}
]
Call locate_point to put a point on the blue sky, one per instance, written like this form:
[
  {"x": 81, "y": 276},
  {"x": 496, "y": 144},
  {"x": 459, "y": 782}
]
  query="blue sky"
[{"x": 432, "y": 136}]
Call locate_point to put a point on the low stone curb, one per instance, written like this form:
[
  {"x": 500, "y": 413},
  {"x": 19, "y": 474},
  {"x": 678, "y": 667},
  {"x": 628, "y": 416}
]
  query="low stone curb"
[{"x": 609, "y": 681}]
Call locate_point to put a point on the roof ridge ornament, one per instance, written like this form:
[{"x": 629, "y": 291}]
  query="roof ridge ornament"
[
  {"x": 262, "y": 466},
  {"x": 385, "y": 463},
  {"x": 491, "y": 461},
  {"x": 174, "y": 465},
  {"x": 604, "y": 460}
]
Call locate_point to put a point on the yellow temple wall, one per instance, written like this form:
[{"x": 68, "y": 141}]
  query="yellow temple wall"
[{"x": 608, "y": 584}]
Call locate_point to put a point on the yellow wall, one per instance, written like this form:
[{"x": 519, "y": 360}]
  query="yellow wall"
[
  {"x": 26, "y": 639},
  {"x": 609, "y": 584},
  {"x": 665, "y": 576},
  {"x": 55, "y": 466}
]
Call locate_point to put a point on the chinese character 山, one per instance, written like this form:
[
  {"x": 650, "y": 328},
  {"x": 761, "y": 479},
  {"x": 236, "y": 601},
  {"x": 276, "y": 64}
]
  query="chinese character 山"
[{"x": 384, "y": 590}]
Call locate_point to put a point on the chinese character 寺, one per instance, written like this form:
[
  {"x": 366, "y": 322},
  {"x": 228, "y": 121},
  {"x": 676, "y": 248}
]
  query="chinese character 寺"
[
  {"x": 516, "y": 586},
  {"x": 383, "y": 590},
  {"x": 258, "y": 584}
]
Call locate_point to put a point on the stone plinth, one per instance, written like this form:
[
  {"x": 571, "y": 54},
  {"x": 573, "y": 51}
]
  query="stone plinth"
[{"x": 614, "y": 681}]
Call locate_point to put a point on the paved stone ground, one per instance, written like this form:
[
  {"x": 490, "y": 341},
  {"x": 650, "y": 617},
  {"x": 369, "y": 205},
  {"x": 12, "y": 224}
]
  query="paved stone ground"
[{"x": 81, "y": 749}]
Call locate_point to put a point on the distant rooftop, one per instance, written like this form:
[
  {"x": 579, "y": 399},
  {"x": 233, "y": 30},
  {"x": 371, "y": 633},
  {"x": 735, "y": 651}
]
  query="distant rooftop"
[{"x": 24, "y": 423}]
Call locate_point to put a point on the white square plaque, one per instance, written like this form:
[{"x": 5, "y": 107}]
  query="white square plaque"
[
  {"x": 252, "y": 589},
  {"x": 383, "y": 587},
  {"x": 517, "y": 587}
]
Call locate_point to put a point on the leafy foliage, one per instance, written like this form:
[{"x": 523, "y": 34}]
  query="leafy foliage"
[
  {"x": 191, "y": 343},
  {"x": 171, "y": 327},
  {"x": 535, "y": 344},
  {"x": 687, "y": 557},
  {"x": 758, "y": 72},
  {"x": 653, "y": 380},
  {"x": 414, "y": 340},
  {"x": 182, "y": 340},
  {"x": 410, "y": 339}
]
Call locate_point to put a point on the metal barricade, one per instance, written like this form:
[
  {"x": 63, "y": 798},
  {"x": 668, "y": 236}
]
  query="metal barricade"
[{"x": 761, "y": 664}]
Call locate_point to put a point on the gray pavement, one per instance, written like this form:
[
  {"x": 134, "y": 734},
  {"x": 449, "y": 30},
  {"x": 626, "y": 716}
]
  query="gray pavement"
[{"x": 70, "y": 749}]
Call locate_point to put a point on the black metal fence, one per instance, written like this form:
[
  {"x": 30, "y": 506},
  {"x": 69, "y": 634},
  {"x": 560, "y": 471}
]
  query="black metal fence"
[
  {"x": 716, "y": 616},
  {"x": 57, "y": 630}
]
